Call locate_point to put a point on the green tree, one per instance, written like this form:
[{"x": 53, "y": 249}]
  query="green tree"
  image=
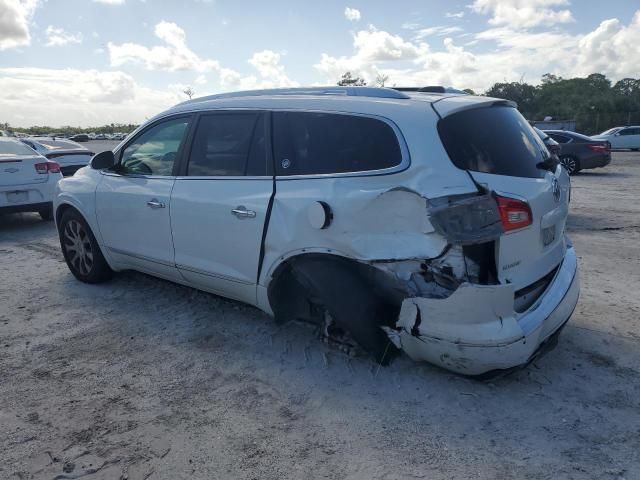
[{"x": 347, "y": 80}]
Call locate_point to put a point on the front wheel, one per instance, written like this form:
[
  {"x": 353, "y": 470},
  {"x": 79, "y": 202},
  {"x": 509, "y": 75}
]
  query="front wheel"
[
  {"x": 570, "y": 164},
  {"x": 81, "y": 250}
]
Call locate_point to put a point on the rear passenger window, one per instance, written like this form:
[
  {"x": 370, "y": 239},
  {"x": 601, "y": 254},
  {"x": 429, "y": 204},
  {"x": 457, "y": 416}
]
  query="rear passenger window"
[
  {"x": 228, "y": 144},
  {"x": 560, "y": 138},
  {"x": 308, "y": 143}
]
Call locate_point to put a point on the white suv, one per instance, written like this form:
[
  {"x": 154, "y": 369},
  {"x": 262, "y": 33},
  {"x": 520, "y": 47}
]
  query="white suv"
[{"x": 428, "y": 222}]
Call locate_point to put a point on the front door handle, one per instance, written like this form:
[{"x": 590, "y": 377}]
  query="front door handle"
[
  {"x": 154, "y": 203},
  {"x": 242, "y": 212}
]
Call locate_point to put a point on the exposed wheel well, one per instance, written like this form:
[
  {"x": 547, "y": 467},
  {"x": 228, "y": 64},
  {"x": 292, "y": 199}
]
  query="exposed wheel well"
[{"x": 359, "y": 297}]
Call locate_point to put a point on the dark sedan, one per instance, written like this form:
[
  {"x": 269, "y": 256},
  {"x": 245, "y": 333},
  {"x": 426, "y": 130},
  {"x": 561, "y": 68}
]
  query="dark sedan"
[{"x": 579, "y": 152}]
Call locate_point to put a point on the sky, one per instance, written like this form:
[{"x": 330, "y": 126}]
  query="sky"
[{"x": 92, "y": 62}]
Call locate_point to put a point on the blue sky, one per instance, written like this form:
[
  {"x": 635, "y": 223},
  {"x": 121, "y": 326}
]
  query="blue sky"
[{"x": 84, "y": 62}]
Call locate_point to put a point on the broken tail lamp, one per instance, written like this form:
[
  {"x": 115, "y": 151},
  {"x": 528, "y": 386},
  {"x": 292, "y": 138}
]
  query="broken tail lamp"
[{"x": 480, "y": 218}]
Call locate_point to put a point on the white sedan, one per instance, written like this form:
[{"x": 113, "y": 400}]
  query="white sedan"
[
  {"x": 621, "y": 137},
  {"x": 69, "y": 155},
  {"x": 27, "y": 179}
]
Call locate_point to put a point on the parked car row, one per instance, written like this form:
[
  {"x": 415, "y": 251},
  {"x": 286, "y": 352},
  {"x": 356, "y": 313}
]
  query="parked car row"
[{"x": 68, "y": 154}]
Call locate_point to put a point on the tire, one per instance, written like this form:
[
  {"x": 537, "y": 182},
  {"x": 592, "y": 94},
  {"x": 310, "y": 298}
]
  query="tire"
[
  {"x": 570, "y": 164},
  {"x": 81, "y": 250},
  {"x": 46, "y": 214}
]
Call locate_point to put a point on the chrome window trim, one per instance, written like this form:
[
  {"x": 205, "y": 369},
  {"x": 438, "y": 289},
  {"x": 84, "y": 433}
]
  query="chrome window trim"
[{"x": 404, "y": 164}]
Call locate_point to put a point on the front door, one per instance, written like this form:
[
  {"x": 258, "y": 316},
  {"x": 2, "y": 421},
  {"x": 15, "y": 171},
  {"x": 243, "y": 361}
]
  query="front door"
[
  {"x": 132, "y": 200},
  {"x": 220, "y": 202}
]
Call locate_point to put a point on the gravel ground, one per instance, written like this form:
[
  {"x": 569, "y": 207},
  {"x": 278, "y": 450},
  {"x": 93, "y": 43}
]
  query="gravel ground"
[{"x": 142, "y": 379}]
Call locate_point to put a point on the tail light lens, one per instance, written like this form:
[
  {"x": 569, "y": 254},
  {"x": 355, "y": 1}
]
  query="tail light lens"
[
  {"x": 47, "y": 167},
  {"x": 514, "y": 213},
  {"x": 599, "y": 147}
]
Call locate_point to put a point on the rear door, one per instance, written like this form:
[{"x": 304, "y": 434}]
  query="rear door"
[
  {"x": 502, "y": 153},
  {"x": 220, "y": 203},
  {"x": 629, "y": 138}
]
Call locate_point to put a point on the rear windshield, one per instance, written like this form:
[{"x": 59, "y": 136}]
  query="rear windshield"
[
  {"x": 494, "y": 139},
  {"x": 14, "y": 149}
]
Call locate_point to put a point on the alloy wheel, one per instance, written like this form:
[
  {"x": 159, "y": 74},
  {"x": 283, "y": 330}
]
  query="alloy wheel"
[
  {"x": 77, "y": 246},
  {"x": 569, "y": 163}
]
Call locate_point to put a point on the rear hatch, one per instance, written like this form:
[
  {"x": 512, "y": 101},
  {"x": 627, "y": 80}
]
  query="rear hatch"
[
  {"x": 499, "y": 149},
  {"x": 18, "y": 165}
]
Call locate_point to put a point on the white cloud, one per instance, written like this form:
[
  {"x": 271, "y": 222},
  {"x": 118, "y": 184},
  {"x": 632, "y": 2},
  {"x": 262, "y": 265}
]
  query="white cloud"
[
  {"x": 439, "y": 30},
  {"x": 57, "y": 37},
  {"x": 267, "y": 63},
  {"x": 77, "y": 97},
  {"x": 371, "y": 47},
  {"x": 200, "y": 80},
  {"x": 176, "y": 55},
  {"x": 454, "y": 14},
  {"x": 524, "y": 13},
  {"x": 15, "y": 16},
  {"x": 110, "y": 2},
  {"x": 508, "y": 54},
  {"x": 352, "y": 14},
  {"x": 611, "y": 48},
  {"x": 173, "y": 56}
]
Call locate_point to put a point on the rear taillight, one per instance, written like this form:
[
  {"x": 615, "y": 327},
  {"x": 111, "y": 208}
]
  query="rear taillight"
[
  {"x": 599, "y": 147},
  {"x": 514, "y": 213},
  {"x": 47, "y": 167}
]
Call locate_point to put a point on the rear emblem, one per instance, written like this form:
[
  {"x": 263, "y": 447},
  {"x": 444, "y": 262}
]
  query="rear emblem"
[
  {"x": 555, "y": 189},
  {"x": 11, "y": 170}
]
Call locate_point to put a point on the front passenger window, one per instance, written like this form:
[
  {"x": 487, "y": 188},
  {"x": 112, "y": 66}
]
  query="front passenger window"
[{"x": 155, "y": 151}]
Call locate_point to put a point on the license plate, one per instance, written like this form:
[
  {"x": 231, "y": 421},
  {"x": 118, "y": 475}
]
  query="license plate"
[
  {"x": 17, "y": 197},
  {"x": 548, "y": 235}
]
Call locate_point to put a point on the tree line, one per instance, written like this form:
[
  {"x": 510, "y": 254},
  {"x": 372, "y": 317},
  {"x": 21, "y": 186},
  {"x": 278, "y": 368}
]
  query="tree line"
[
  {"x": 594, "y": 102},
  {"x": 69, "y": 130}
]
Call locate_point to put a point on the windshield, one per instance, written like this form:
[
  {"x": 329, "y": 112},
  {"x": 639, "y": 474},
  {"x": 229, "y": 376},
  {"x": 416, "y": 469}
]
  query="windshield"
[
  {"x": 494, "y": 139},
  {"x": 611, "y": 131},
  {"x": 14, "y": 149}
]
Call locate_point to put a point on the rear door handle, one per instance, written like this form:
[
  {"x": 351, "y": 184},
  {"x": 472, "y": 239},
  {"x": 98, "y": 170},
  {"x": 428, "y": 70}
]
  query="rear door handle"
[
  {"x": 154, "y": 203},
  {"x": 242, "y": 212}
]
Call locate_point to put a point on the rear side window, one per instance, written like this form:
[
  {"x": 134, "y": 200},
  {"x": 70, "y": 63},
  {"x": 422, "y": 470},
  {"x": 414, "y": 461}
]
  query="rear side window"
[
  {"x": 559, "y": 138},
  {"x": 494, "y": 139},
  {"x": 307, "y": 143},
  {"x": 228, "y": 144},
  {"x": 14, "y": 149}
]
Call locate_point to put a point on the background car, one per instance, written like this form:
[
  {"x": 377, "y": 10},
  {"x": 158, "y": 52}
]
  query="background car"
[
  {"x": 621, "y": 137},
  {"x": 80, "y": 137},
  {"x": 27, "y": 179},
  {"x": 68, "y": 154},
  {"x": 579, "y": 152}
]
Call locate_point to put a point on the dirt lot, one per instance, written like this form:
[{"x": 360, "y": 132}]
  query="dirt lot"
[{"x": 139, "y": 378}]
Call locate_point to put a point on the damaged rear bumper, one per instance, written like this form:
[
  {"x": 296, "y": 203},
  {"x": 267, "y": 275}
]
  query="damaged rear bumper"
[{"x": 477, "y": 330}]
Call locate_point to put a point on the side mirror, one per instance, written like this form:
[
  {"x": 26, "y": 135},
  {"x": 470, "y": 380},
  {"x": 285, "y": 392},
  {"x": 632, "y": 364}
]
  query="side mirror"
[
  {"x": 103, "y": 160},
  {"x": 616, "y": 134}
]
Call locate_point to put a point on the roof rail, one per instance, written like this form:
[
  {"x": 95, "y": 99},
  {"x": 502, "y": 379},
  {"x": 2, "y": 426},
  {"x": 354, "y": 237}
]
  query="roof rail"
[
  {"x": 431, "y": 89},
  {"x": 376, "y": 92}
]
